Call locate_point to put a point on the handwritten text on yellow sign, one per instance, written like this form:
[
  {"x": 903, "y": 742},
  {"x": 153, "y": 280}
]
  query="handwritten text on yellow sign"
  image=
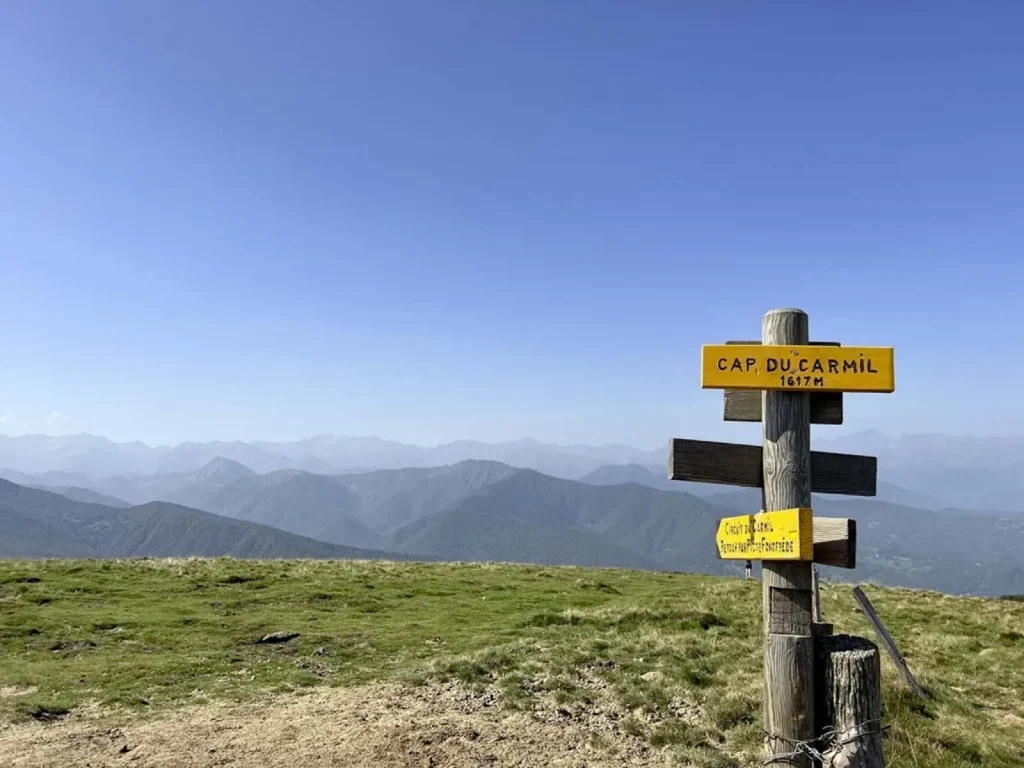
[
  {"x": 784, "y": 535},
  {"x": 798, "y": 368}
]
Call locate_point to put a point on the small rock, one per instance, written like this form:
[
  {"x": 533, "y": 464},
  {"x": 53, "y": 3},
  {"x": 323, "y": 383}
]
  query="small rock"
[
  {"x": 124, "y": 750},
  {"x": 277, "y": 637},
  {"x": 320, "y": 651}
]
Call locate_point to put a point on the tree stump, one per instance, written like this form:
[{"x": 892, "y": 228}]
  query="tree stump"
[{"x": 849, "y": 689}]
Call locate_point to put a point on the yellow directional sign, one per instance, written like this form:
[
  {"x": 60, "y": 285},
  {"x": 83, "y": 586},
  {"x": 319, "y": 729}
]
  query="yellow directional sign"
[
  {"x": 784, "y": 535},
  {"x": 798, "y": 368}
]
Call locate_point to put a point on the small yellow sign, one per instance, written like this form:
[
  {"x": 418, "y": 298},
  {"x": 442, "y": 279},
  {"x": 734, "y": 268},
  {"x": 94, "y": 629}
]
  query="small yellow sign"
[
  {"x": 804, "y": 368},
  {"x": 784, "y": 535}
]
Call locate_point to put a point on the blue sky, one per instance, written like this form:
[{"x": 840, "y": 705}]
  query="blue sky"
[{"x": 432, "y": 221}]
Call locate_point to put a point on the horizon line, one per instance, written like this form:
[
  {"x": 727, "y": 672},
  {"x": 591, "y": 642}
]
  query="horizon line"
[{"x": 524, "y": 439}]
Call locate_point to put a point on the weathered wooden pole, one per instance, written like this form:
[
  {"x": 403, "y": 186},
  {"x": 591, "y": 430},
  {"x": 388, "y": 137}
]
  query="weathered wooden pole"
[{"x": 788, "y": 642}]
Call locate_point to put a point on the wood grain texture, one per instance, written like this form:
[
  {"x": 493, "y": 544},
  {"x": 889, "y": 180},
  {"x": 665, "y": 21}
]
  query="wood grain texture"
[
  {"x": 786, "y": 600},
  {"x": 888, "y": 642},
  {"x": 786, "y": 423},
  {"x": 844, "y": 473},
  {"x": 745, "y": 405},
  {"x": 704, "y": 461},
  {"x": 849, "y": 682},
  {"x": 815, "y": 596},
  {"x": 835, "y": 541},
  {"x": 789, "y": 611},
  {"x": 788, "y": 709}
]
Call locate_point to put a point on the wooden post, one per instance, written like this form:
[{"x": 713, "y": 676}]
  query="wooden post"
[
  {"x": 849, "y": 684},
  {"x": 890, "y": 644},
  {"x": 789, "y": 643},
  {"x": 816, "y": 595}
]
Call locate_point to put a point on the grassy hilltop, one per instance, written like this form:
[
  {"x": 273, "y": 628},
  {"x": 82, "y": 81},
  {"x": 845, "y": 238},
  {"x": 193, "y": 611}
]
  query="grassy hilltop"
[{"x": 669, "y": 662}]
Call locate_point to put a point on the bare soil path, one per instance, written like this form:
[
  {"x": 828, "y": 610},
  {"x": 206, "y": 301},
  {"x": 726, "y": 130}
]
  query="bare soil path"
[{"x": 377, "y": 725}]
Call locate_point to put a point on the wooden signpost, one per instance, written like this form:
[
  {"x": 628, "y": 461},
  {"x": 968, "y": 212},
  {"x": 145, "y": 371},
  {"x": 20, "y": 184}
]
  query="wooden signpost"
[{"x": 786, "y": 383}]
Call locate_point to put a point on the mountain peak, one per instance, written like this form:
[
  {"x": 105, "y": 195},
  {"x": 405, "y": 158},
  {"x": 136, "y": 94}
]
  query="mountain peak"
[{"x": 221, "y": 469}]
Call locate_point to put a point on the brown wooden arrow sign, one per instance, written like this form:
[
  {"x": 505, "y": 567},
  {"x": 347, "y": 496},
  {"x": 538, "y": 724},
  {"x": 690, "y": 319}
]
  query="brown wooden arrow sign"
[{"x": 702, "y": 461}]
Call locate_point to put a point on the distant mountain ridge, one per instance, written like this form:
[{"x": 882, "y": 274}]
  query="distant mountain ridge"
[
  {"x": 481, "y": 510},
  {"x": 84, "y": 495},
  {"x": 306, "y": 504},
  {"x": 621, "y": 474},
  {"x": 35, "y": 523},
  {"x": 97, "y": 457},
  {"x": 927, "y": 471}
]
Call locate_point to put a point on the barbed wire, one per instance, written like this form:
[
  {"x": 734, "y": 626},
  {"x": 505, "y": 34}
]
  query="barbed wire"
[{"x": 828, "y": 740}]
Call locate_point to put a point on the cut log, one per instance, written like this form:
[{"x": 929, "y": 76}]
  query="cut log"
[{"x": 849, "y": 701}]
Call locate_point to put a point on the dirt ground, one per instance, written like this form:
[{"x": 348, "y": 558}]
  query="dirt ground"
[{"x": 379, "y": 725}]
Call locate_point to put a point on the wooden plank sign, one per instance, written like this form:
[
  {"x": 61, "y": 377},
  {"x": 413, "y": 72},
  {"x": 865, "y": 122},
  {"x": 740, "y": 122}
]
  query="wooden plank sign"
[
  {"x": 705, "y": 461},
  {"x": 783, "y": 535},
  {"x": 745, "y": 404},
  {"x": 797, "y": 368}
]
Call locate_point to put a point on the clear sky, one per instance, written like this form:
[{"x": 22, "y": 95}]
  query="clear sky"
[{"x": 461, "y": 219}]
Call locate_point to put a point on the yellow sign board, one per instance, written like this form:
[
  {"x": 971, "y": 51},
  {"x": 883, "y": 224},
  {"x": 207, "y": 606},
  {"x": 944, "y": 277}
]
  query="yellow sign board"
[
  {"x": 784, "y": 535},
  {"x": 798, "y": 368}
]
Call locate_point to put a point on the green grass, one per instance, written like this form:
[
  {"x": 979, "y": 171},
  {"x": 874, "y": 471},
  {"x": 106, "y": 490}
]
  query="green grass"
[{"x": 678, "y": 655}]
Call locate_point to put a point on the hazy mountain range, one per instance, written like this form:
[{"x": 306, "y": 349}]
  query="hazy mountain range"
[
  {"x": 90, "y": 456},
  {"x": 926, "y": 471},
  {"x": 479, "y": 510},
  {"x": 37, "y": 523}
]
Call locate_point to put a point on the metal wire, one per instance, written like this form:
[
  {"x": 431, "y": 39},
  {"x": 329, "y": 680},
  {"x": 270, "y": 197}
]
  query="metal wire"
[{"x": 828, "y": 741}]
